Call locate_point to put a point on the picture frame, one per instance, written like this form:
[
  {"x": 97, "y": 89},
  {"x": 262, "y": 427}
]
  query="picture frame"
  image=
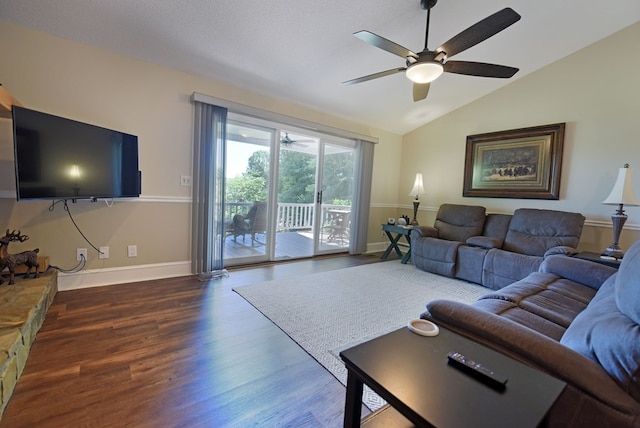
[{"x": 520, "y": 163}]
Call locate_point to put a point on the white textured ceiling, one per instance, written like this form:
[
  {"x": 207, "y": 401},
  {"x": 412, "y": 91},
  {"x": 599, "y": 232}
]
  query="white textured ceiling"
[{"x": 301, "y": 50}]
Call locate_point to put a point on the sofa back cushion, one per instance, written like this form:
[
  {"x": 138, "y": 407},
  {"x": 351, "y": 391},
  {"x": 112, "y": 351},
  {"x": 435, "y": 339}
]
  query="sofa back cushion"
[
  {"x": 533, "y": 231},
  {"x": 628, "y": 284},
  {"x": 459, "y": 222},
  {"x": 497, "y": 226},
  {"x": 610, "y": 338},
  {"x": 608, "y": 331}
]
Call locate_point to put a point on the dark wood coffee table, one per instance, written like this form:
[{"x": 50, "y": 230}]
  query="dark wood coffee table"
[{"x": 411, "y": 373}]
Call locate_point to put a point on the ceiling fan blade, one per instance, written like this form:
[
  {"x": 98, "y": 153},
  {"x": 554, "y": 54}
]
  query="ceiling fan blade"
[
  {"x": 480, "y": 31},
  {"x": 374, "y": 76},
  {"x": 384, "y": 44},
  {"x": 481, "y": 69},
  {"x": 420, "y": 91}
]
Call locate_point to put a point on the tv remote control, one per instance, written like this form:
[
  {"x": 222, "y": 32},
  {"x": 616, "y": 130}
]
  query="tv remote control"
[{"x": 477, "y": 370}]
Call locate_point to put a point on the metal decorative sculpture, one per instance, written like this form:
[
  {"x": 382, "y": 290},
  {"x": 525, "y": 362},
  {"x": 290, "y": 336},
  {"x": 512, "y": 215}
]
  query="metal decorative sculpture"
[{"x": 10, "y": 261}]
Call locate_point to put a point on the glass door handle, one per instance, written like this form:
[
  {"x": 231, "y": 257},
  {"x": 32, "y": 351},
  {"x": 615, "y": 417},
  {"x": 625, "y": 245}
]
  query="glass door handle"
[{"x": 319, "y": 198}]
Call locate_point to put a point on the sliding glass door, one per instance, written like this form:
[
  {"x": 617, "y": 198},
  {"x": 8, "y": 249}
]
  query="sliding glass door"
[
  {"x": 336, "y": 196},
  {"x": 247, "y": 192},
  {"x": 288, "y": 194},
  {"x": 296, "y": 194}
]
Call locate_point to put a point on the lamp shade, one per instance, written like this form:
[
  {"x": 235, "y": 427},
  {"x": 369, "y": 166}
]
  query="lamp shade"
[
  {"x": 418, "y": 186},
  {"x": 622, "y": 192}
]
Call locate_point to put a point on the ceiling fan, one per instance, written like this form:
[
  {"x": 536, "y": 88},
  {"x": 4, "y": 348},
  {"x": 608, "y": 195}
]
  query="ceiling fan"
[
  {"x": 287, "y": 141},
  {"x": 424, "y": 67}
]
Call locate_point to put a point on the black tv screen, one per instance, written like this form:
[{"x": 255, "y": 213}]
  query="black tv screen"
[{"x": 58, "y": 158}]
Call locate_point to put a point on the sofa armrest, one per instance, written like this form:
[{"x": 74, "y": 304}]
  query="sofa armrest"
[
  {"x": 562, "y": 250},
  {"x": 533, "y": 349},
  {"x": 486, "y": 242},
  {"x": 426, "y": 231},
  {"x": 583, "y": 271}
]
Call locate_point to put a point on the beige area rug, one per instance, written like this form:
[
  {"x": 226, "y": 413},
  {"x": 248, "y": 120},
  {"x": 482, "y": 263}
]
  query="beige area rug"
[{"x": 331, "y": 311}]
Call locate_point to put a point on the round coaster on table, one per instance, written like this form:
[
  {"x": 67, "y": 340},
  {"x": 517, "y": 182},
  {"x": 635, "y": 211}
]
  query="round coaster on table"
[{"x": 423, "y": 327}]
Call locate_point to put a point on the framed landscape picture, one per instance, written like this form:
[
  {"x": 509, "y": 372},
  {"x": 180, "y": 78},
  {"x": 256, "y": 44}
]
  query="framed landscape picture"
[{"x": 521, "y": 163}]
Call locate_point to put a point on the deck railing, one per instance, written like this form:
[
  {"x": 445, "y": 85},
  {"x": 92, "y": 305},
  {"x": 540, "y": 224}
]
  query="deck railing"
[
  {"x": 289, "y": 216},
  {"x": 294, "y": 217}
]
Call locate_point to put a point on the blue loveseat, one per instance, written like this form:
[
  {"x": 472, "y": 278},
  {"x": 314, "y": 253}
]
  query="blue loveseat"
[{"x": 577, "y": 320}]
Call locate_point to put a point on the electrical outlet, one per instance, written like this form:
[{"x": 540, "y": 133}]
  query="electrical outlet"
[
  {"x": 104, "y": 253},
  {"x": 80, "y": 253},
  {"x": 185, "y": 180},
  {"x": 132, "y": 251}
]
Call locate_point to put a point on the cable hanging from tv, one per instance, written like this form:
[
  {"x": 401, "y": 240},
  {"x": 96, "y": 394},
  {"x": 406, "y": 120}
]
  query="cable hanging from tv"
[{"x": 66, "y": 208}]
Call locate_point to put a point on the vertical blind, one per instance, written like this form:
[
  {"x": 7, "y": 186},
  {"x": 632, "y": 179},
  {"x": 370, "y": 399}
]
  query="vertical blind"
[
  {"x": 362, "y": 197},
  {"x": 208, "y": 191}
]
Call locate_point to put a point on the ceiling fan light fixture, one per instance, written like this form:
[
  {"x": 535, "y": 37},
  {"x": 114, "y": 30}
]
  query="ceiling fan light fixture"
[{"x": 424, "y": 72}]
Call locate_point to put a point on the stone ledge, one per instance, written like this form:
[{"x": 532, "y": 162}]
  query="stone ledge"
[{"x": 23, "y": 307}]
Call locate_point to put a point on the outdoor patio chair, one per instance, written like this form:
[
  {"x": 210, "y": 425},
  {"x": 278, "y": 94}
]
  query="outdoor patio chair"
[
  {"x": 339, "y": 226},
  {"x": 257, "y": 220}
]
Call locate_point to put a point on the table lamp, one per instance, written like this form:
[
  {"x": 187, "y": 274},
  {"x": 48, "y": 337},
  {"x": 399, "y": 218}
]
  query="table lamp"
[
  {"x": 622, "y": 194},
  {"x": 417, "y": 190}
]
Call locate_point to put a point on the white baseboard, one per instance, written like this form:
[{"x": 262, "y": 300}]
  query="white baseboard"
[
  {"x": 119, "y": 275},
  {"x": 376, "y": 247}
]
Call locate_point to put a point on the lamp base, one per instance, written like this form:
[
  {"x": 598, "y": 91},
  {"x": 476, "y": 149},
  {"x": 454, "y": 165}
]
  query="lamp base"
[
  {"x": 613, "y": 251},
  {"x": 416, "y": 204},
  {"x": 618, "y": 219}
]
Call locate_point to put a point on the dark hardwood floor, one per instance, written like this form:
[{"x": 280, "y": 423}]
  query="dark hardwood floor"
[{"x": 174, "y": 353}]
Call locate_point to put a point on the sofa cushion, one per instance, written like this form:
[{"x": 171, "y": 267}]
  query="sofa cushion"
[
  {"x": 533, "y": 231},
  {"x": 513, "y": 312},
  {"x": 607, "y": 336},
  {"x": 628, "y": 284},
  {"x": 459, "y": 222},
  {"x": 548, "y": 296}
]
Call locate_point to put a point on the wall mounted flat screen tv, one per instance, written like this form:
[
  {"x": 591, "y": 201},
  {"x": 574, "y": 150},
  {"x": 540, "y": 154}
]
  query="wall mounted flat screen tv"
[{"x": 58, "y": 158}]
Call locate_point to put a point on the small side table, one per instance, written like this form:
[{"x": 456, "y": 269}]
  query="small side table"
[
  {"x": 595, "y": 257},
  {"x": 399, "y": 231}
]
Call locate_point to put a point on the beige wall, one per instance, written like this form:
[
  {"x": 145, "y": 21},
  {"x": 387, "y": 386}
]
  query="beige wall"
[
  {"x": 597, "y": 96},
  {"x": 80, "y": 82},
  {"x": 385, "y": 197},
  {"x": 599, "y": 104}
]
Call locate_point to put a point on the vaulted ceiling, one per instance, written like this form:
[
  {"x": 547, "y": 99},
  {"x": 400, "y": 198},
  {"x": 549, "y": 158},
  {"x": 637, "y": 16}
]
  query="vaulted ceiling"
[{"x": 301, "y": 50}]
